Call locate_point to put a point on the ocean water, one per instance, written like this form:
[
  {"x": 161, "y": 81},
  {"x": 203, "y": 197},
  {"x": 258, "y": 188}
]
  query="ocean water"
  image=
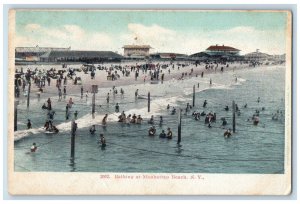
[{"x": 252, "y": 149}]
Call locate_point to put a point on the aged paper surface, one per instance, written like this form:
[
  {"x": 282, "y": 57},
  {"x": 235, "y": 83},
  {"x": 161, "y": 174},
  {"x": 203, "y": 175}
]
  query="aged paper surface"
[{"x": 83, "y": 176}]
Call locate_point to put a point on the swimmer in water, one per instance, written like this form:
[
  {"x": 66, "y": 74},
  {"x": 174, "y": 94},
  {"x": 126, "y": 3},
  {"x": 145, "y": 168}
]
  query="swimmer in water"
[{"x": 33, "y": 148}]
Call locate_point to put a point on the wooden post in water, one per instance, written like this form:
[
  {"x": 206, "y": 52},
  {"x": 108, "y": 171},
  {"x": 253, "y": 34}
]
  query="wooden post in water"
[
  {"x": 148, "y": 101},
  {"x": 16, "y": 116},
  {"x": 233, "y": 116},
  {"x": 28, "y": 94},
  {"x": 93, "y": 105},
  {"x": 94, "y": 91},
  {"x": 73, "y": 132},
  {"x": 194, "y": 96},
  {"x": 179, "y": 127}
]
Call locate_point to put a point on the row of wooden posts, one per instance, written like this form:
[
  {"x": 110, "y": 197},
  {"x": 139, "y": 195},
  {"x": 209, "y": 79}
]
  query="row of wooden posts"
[{"x": 94, "y": 91}]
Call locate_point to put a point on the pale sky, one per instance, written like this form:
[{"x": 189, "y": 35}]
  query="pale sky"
[{"x": 165, "y": 31}]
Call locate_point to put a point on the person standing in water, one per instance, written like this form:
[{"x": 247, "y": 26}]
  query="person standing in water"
[
  {"x": 59, "y": 94},
  {"x": 104, "y": 120},
  {"x": 162, "y": 134},
  {"x": 204, "y": 104},
  {"x": 169, "y": 134},
  {"x": 93, "y": 129},
  {"x": 107, "y": 98},
  {"x": 29, "y": 126},
  {"x": 75, "y": 115},
  {"x": 65, "y": 91},
  {"x": 81, "y": 91},
  {"x": 33, "y": 148},
  {"x": 117, "y": 108},
  {"x": 102, "y": 140},
  {"x": 161, "y": 121},
  {"x": 86, "y": 95}
]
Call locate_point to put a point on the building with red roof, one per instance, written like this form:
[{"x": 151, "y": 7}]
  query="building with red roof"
[{"x": 221, "y": 50}]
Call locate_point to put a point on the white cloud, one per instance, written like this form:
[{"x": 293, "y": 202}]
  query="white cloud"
[
  {"x": 64, "y": 36},
  {"x": 247, "y": 39}
]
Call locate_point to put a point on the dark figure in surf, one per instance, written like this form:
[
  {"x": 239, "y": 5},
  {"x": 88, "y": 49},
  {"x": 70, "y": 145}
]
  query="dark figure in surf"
[
  {"x": 173, "y": 111},
  {"x": 65, "y": 91},
  {"x": 81, "y": 91},
  {"x": 92, "y": 129},
  {"x": 107, "y": 98},
  {"x": 224, "y": 122},
  {"x": 117, "y": 108},
  {"x": 51, "y": 115},
  {"x": 29, "y": 126},
  {"x": 204, "y": 104},
  {"x": 162, "y": 134},
  {"x": 102, "y": 141},
  {"x": 151, "y": 131},
  {"x": 161, "y": 121},
  {"x": 133, "y": 120},
  {"x": 226, "y": 108},
  {"x": 49, "y": 104},
  {"x": 44, "y": 106},
  {"x": 104, "y": 120},
  {"x": 46, "y": 125},
  {"x": 75, "y": 115},
  {"x": 139, "y": 119},
  {"x": 227, "y": 133},
  {"x": 236, "y": 107},
  {"x": 33, "y": 148},
  {"x": 151, "y": 121},
  {"x": 169, "y": 134}
]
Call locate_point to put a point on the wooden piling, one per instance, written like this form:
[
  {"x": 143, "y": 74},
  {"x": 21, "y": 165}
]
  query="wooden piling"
[
  {"x": 233, "y": 116},
  {"x": 93, "y": 105},
  {"x": 148, "y": 101},
  {"x": 94, "y": 91},
  {"x": 179, "y": 127},
  {"x": 194, "y": 96},
  {"x": 73, "y": 131},
  {"x": 28, "y": 94},
  {"x": 16, "y": 116}
]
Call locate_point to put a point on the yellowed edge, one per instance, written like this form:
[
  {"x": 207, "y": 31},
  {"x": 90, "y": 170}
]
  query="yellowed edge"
[
  {"x": 288, "y": 105},
  {"x": 150, "y": 10},
  {"x": 11, "y": 73},
  {"x": 37, "y": 183}
]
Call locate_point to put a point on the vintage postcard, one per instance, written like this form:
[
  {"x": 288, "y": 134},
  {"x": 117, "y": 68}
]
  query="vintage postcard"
[{"x": 149, "y": 102}]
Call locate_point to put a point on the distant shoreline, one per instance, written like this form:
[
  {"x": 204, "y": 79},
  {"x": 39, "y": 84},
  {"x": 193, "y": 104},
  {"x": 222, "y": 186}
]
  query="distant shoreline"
[{"x": 175, "y": 74}]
